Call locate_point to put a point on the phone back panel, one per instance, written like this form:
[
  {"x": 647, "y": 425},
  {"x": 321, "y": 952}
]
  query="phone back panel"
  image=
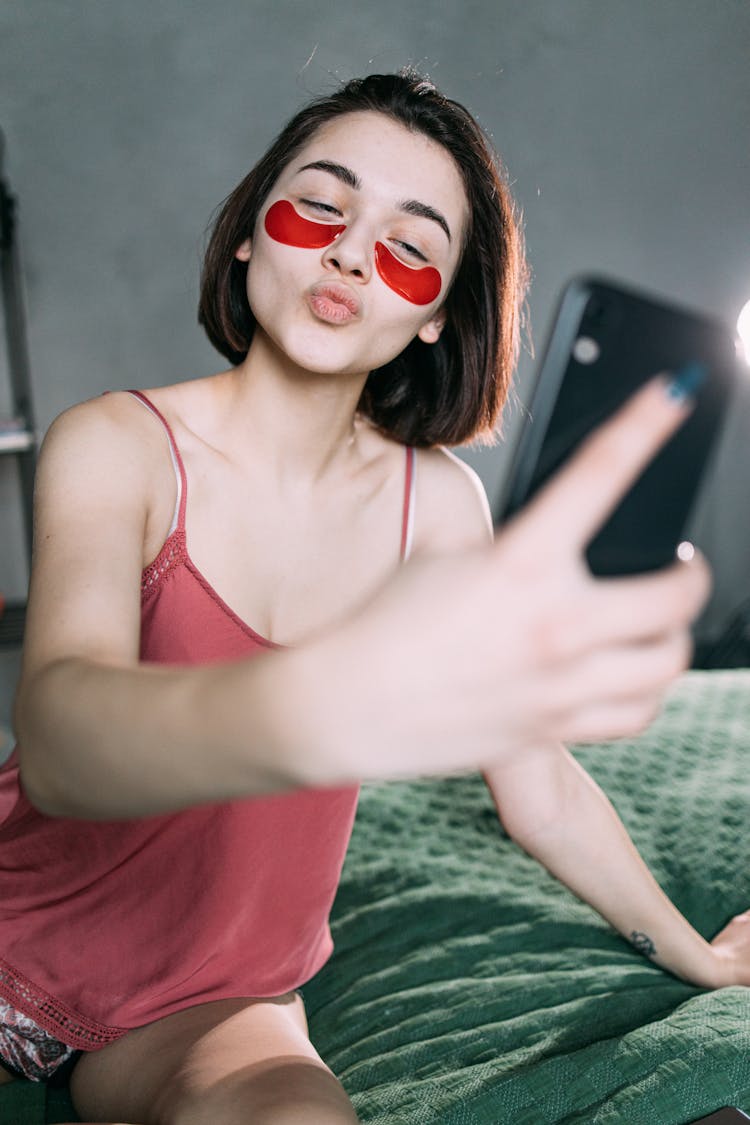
[{"x": 606, "y": 342}]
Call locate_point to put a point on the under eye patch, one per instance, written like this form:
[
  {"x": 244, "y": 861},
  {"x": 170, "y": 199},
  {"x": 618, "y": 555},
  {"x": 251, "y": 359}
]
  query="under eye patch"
[
  {"x": 284, "y": 224},
  {"x": 420, "y": 286}
]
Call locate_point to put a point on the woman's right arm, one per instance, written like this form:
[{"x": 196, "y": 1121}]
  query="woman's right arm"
[
  {"x": 101, "y": 735},
  {"x": 460, "y": 661}
]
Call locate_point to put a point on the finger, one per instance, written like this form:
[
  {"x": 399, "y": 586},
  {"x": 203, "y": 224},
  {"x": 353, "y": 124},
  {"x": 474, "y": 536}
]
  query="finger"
[
  {"x": 637, "y": 607},
  {"x": 623, "y": 675},
  {"x": 647, "y": 605},
  {"x": 605, "y": 612},
  {"x": 606, "y": 722},
  {"x": 577, "y": 501}
]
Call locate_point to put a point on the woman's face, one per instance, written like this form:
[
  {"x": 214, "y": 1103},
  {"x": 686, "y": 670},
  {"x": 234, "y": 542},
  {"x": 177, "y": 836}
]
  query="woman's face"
[{"x": 356, "y": 245}]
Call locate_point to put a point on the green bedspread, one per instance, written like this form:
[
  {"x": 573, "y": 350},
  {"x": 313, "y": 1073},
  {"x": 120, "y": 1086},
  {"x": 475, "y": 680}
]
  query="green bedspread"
[{"x": 469, "y": 988}]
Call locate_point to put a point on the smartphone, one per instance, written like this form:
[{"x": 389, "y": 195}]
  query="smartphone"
[
  {"x": 728, "y": 1115},
  {"x": 606, "y": 341}
]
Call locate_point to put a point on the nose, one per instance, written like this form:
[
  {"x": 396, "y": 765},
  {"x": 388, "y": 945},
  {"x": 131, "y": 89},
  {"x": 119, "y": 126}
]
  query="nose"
[{"x": 351, "y": 254}]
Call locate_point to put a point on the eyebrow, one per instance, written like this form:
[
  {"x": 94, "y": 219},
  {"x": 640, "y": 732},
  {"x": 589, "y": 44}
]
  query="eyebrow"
[
  {"x": 409, "y": 206},
  {"x": 424, "y": 211},
  {"x": 338, "y": 170}
]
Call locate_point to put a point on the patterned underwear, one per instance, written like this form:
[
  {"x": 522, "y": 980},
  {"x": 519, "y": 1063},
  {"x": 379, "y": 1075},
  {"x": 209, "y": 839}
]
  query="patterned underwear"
[{"x": 27, "y": 1050}]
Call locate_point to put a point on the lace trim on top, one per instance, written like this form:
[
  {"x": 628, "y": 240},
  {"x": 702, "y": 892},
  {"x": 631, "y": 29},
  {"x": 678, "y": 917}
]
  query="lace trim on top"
[
  {"x": 53, "y": 1015},
  {"x": 173, "y": 553}
]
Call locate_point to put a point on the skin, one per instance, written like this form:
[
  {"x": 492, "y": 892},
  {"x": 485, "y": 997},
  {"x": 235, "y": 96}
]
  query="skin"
[
  {"x": 274, "y": 453},
  {"x": 294, "y": 516}
]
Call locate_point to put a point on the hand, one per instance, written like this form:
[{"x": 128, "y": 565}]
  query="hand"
[
  {"x": 464, "y": 659},
  {"x": 732, "y": 948}
]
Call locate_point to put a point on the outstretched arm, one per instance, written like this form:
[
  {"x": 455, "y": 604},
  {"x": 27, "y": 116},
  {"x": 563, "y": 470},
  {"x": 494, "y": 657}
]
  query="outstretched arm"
[
  {"x": 558, "y": 814},
  {"x": 408, "y": 685}
]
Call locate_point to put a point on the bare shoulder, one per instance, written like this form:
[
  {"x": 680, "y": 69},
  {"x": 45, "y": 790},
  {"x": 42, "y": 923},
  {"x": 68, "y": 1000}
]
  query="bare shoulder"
[
  {"x": 103, "y": 464},
  {"x": 93, "y": 500},
  {"x": 111, "y": 423},
  {"x": 452, "y": 511}
]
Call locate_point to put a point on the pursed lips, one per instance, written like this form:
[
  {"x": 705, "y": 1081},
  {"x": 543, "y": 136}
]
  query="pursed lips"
[{"x": 334, "y": 301}]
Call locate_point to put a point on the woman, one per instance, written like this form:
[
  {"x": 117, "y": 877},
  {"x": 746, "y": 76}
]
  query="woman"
[{"x": 188, "y": 765}]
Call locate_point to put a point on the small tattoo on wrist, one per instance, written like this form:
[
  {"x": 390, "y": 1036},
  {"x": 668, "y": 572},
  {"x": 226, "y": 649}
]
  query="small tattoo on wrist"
[{"x": 643, "y": 943}]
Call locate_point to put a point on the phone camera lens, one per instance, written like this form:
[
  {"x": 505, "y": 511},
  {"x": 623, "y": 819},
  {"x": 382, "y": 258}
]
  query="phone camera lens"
[
  {"x": 601, "y": 316},
  {"x": 586, "y": 350}
]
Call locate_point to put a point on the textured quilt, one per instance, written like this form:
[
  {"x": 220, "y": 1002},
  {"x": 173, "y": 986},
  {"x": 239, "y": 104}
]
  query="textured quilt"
[{"x": 468, "y": 987}]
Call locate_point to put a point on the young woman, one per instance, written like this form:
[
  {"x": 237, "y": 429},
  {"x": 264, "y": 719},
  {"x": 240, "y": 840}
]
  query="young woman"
[{"x": 174, "y": 821}]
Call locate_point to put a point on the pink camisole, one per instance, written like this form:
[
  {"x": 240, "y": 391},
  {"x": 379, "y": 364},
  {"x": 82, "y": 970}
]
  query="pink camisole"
[{"x": 107, "y": 926}]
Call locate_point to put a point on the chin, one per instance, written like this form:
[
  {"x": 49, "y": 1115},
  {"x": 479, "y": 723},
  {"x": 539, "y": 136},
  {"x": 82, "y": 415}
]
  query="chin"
[
  {"x": 322, "y": 354},
  {"x": 323, "y": 369},
  {"x": 322, "y": 349}
]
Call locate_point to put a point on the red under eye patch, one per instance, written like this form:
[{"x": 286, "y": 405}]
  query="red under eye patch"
[
  {"x": 420, "y": 286},
  {"x": 286, "y": 225}
]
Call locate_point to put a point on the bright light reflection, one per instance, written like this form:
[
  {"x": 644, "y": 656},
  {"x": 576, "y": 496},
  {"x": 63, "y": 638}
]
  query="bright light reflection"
[{"x": 743, "y": 330}]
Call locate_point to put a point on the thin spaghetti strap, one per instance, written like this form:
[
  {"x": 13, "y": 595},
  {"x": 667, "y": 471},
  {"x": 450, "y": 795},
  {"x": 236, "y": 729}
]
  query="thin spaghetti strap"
[
  {"x": 407, "y": 523},
  {"x": 178, "y": 519}
]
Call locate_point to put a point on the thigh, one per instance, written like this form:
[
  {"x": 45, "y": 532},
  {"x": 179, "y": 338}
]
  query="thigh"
[
  {"x": 5, "y": 1076},
  {"x": 229, "y": 1062}
]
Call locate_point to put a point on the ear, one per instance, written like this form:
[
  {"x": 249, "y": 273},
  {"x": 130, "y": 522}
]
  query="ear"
[
  {"x": 243, "y": 251},
  {"x": 429, "y": 333}
]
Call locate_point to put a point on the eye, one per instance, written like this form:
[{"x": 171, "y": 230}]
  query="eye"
[
  {"x": 409, "y": 250},
  {"x": 322, "y": 208}
]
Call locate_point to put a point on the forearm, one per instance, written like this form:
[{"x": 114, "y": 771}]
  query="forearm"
[
  {"x": 99, "y": 741},
  {"x": 585, "y": 845}
]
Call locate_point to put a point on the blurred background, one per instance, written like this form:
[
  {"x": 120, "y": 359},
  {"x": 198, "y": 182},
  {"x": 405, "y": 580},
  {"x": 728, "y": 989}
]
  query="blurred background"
[{"x": 624, "y": 126}]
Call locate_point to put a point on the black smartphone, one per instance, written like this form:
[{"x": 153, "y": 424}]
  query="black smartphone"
[
  {"x": 728, "y": 1115},
  {"x": 606, "y": 341}
]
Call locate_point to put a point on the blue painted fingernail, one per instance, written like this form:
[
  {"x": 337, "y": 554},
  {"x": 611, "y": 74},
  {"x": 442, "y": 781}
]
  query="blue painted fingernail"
[{"x": 686, "y": 383}]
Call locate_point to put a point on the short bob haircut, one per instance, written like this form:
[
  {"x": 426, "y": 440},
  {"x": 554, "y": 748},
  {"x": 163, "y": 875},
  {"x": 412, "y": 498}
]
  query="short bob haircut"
[{"x": 447, "y": 393}]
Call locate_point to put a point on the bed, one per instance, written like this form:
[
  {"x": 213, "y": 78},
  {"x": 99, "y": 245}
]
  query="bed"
[{"x": 469, "y": 988}]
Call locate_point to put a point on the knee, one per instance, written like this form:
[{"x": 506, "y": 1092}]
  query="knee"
[{"x": 282, "y": 1093}]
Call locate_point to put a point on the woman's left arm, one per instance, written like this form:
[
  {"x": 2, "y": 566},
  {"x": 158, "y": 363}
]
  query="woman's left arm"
[
  {"x": 554, "y": 810},
  {"x": 557, "y": 813}
]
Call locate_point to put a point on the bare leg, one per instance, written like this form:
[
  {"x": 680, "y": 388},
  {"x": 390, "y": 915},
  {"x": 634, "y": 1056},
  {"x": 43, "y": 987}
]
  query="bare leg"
[
  {"x": 5, "y": 1076},
  {"x": 230, "y": 1062}
]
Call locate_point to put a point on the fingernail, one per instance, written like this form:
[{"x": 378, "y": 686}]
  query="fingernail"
[{"x": 686, "y": 383}]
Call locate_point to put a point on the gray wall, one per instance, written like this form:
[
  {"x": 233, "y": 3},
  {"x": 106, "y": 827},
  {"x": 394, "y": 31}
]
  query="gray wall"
[{"x": 625, "y": 125}]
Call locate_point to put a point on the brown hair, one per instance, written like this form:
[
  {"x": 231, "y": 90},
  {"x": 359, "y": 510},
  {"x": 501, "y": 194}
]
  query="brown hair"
[{"x": 450, "y": 392}]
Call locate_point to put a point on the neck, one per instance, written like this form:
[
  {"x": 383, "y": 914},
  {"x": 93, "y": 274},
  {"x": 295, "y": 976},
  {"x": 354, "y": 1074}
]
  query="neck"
[{"x": 301, "y": 423}]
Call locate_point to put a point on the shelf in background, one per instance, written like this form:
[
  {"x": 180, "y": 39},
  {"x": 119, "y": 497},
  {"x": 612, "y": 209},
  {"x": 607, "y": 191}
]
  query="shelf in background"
[
  {"x": 16, "y": 441},
  {"x": 12, "y": 621}
]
